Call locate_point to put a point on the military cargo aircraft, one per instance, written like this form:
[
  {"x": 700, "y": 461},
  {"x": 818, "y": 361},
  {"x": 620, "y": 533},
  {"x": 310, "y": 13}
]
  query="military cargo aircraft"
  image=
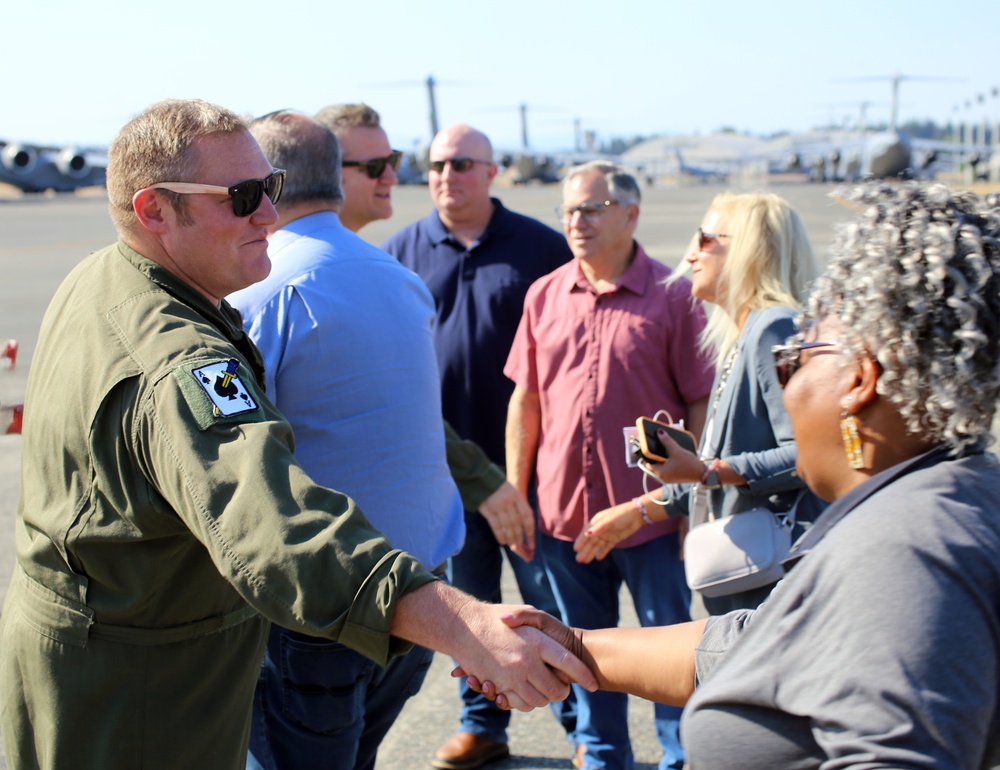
[
  {"x": 881, "y": 155},
  {"x": 33, "y": 168}
]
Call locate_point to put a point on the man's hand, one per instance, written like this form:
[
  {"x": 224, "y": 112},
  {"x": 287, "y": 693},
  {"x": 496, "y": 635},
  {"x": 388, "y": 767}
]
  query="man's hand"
[
  {"x": 569, "y": 637},
  {"x": 511, "y": 519},
  {"x": 523, "y": 662},
  {"x": 608, "y": 528},
  {"x": 522, "y": 617},
  {"x": 520, "y": 661}
]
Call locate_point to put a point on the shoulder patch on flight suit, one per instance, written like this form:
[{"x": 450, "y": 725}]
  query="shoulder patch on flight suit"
[{"x": 215, "y": 392}]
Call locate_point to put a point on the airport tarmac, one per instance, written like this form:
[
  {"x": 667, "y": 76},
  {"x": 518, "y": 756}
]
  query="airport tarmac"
[{"x": 44, "y": 237}]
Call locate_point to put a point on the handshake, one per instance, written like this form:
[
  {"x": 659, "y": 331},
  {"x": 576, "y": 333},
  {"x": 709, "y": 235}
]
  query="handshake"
[
  {"x": 563, "y": 653},
  {"x": 656, "y": 662}
]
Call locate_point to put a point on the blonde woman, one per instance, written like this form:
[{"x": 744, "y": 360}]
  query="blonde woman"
[{"x": 752, "y": 262}]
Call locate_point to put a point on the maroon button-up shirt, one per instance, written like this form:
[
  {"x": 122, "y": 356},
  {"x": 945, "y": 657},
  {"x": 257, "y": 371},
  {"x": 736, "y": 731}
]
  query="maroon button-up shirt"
[{"x": 599, "y": 361}]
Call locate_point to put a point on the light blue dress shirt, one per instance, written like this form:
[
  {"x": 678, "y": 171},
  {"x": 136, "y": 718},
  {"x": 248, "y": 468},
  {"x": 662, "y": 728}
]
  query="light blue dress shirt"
[{"x": 347, "y": 335}]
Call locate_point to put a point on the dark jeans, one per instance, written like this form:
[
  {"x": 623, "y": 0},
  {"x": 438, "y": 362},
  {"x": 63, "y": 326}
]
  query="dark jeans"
[
  {"x": 320, "y": 704},
  {"x": 588, "y": 598},
  {"x": 476, "y": 570}
]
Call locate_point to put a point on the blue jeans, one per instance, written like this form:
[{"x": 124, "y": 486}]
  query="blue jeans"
[
  {"x": 587, "y": 595},
  {"x": 320, "y": 704},
  {"x": 476, "y": 570}
]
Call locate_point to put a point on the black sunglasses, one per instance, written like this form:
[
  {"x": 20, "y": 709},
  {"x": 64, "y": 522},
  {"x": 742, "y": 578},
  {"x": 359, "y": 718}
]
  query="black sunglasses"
[
  {"x": 707, "y": 239},
  {"x": 788, "y": 358},
  {"x": 457, "y": 164},
  {"x": 246, "y": 196},
  {"x": 375, "y": 167}
]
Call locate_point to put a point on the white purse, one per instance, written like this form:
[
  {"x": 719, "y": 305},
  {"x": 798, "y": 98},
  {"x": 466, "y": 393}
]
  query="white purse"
[{"x": 737, "y": 553}]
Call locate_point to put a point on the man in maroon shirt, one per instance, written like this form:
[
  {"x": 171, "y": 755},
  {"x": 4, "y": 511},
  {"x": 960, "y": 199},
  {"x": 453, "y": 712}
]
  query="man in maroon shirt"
[{"x": 601, "y": 342}]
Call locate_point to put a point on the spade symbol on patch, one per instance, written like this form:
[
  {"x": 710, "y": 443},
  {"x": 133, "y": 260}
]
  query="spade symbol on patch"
[{"x": 224, "y": 385}]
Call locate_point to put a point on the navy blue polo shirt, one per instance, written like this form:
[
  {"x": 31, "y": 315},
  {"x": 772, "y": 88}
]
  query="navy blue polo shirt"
[{"x": 479, "y": 296}]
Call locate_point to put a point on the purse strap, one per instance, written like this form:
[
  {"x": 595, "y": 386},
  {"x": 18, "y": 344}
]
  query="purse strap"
[
  {"x": 727, "y": 368},
  {"x": 700, "y": 508}
]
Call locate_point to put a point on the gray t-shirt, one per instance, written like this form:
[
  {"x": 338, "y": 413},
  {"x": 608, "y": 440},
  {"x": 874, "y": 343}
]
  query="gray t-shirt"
[{"x": 880, "y": 647}]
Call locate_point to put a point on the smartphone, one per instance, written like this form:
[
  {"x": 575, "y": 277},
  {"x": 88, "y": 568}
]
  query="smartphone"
[
  {"x": 633, "y": 452},
  {"x": 651, "y": 446}
]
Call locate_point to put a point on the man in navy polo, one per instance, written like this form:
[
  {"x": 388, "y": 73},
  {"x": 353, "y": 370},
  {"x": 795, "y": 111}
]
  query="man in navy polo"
[{"x": 478, "y": 259}]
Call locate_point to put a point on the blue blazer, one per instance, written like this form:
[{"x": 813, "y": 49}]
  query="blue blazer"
[{"x": 752, "y": 431}]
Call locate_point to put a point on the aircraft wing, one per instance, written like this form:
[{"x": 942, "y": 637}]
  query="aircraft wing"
[{"x": 34, "y": 168}]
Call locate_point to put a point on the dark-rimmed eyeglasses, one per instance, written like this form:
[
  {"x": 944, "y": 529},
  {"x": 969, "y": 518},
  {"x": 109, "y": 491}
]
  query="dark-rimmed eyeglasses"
[
  {"x": 589, "y": 212},
  {"x": 788, "y": 358},
  {"x": 707, "y": 239},
  {"x": 375, "y": 167},
  {"x": 246, "y": 196},
  {"x": 460, "y": 165}
]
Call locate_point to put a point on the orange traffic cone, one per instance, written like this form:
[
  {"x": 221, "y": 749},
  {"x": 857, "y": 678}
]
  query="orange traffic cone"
[
  {"x": 15, "y": 414},
  {"x": 10, "y": 351}
]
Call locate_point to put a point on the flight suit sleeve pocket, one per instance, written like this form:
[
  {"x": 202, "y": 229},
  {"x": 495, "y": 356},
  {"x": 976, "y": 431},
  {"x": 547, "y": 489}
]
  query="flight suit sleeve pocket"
[{"x": 217, "y": 391}]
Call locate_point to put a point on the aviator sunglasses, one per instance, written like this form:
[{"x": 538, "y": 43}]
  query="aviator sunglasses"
[
  {"x": 246, "y": 196},
  {"x": 707, "y": 239},
  {"x": 788, "y": 358},
  {"x": 375, "y": 167},
  {"x": 457, "y": 164}
]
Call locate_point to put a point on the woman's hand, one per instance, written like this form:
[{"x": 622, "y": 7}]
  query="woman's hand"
[
  {"x": 608, "y": 528},
  {"x": 680, "y": 467}
]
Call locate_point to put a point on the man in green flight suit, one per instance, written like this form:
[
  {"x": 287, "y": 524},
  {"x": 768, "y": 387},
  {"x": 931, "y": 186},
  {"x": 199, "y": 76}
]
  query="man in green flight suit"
[{"x": 163, "y": 519}]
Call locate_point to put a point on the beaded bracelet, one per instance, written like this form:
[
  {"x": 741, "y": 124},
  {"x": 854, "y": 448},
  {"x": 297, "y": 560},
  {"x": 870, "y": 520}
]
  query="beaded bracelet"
[{"x": 637, "y": 502}]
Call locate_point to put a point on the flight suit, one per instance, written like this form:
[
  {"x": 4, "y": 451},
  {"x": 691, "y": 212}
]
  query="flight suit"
[
  {"x": 162, "y": 522},
  {"x": 475, "y": 476}
]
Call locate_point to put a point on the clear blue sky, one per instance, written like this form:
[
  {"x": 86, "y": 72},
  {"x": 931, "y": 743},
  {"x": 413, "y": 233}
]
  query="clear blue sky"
[{"x": 622, "y": 67}]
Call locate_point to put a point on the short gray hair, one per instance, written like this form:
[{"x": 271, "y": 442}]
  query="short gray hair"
[
  {"x": 307, "y": 150},
  {"x": 622, "y": 186},
  {"x": 915, "y": 281}
]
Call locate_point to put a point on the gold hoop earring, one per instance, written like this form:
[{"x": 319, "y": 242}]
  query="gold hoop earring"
[{"x": 852, "y": 441}]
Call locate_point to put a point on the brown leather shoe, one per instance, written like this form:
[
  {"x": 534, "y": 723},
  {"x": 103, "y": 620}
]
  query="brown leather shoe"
[
  {"x": 579, "y": 755},
  {"x": 465, "y": 751}
]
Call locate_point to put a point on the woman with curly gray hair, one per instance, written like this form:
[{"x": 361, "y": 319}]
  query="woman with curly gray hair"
[{"x": 881, "y": 647}]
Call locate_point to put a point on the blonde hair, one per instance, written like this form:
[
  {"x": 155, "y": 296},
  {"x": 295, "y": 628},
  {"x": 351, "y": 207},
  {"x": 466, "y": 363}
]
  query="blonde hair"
[
  {"x": 769, "y": 262},
  {"x": 157, "y": 146}
]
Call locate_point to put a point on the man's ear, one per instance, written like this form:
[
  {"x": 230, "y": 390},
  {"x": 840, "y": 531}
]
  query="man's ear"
[
  {"x": 151, "y": 211},
  {"x": 633, "y": 215}
]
